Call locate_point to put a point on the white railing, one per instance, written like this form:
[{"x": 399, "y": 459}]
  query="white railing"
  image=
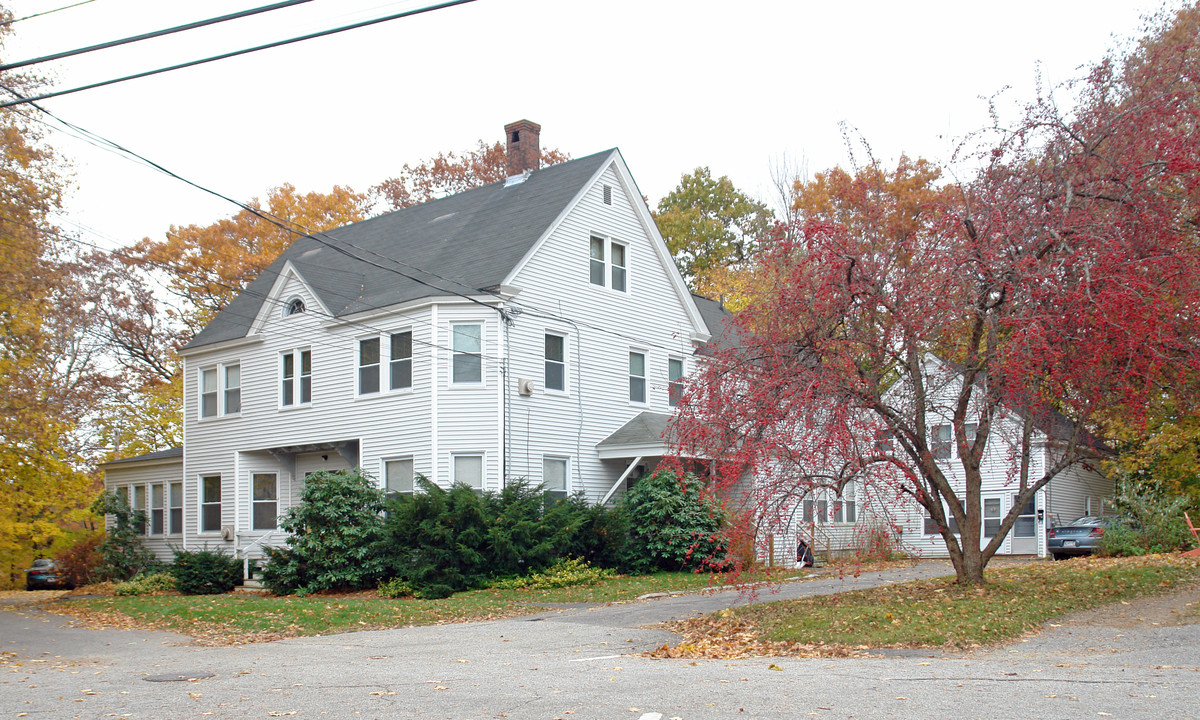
[{"x": 243, "y": 551}]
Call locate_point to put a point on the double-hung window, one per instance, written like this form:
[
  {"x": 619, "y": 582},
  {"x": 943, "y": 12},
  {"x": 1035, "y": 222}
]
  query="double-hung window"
[
  {"x": 139, "y": 505},
  {"x": 368, "y": 366},
  {"x": 220, "y": 390},
  {"x": 266, "y": 501},
  {"x": 554, "y": 476},
  {"x": 175, "y": 500},
  {"x": 823, "y": 506},
  {"x": 608, "y": 263},
  {"x": 233, "y": 389},
  {"x": 941, "y": 440},
  {"x": 637, "y": 377},
  {"x": 295, "y": 378},
  {"x": 931, "y": 526},
  {"x": 467, "y": 360},
  {"x": 674, "y": 381},
  {"x": 398, "y": 476},
  {"x": 468, "y": 470},
  {"x": 208, "y": 393},
  {"x": 210, "y": 503},
  {"x": 401, "y": 360},
  {"x": 556, "y": 362},
  {"x": 157, "y": 519}
]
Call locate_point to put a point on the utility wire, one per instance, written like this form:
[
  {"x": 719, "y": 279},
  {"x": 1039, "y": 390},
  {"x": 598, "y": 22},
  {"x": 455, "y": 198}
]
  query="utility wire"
[
  {"x": 149, "y": 35},
  {"x": 45, "y": 12},
  {"x": 235, "y": 53}
]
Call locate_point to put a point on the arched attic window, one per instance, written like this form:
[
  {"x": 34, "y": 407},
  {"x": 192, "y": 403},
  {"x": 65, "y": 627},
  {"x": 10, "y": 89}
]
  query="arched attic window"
[{"x": 295, "y": 306}]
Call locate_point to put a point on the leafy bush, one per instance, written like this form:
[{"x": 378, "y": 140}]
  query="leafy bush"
[
  {"x": 335, "y": 534},
  {"x": 878, "y": 542},
  {"x": 122, "y": 554},
  {"x": 205, "y": 572},
  {"x": 674, "y": 524},
  {"x": 437, "y": 539},
  {"x": 78, "y": 564},
  {"x": 1151, "y": 520},
  {"x": 152, "y": 584},
  {"x": 395, "y": 588},
  {"x": 565, "y": 572}
]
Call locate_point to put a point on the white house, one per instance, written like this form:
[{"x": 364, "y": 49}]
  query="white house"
[
  {"x": 534, "y": 328},
  {"x": 833, "y": 523}
]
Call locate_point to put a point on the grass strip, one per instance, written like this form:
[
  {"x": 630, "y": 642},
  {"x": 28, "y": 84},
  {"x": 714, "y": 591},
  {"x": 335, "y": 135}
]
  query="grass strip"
[
  {"x": 932, "y": 613},
  {"x": 226, "y": 619}
]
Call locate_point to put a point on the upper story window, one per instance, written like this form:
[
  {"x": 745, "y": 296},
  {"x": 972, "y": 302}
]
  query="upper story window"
[
  {"x": 941, "y": 440},
  {"x": 208, "y": 393},
  {"x": 295, "y": 306},
  {"x": 637, "y": 377},
  {"x": 225, "y": 399},
  {"x": 233, "y": 389},
  {"x": 368, "y": 366},
  {"x": 295, "y": 378},
  {"x": 401, "y": 360},
  {"x": 608, "y": 266},
  {"x": 467, "y": 360},
  {"x": 556, "y": 362},
  {"x": 674, "y": 381}
]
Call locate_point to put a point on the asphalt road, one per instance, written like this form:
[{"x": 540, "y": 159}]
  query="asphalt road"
[{"x": 1131, "y": 661}]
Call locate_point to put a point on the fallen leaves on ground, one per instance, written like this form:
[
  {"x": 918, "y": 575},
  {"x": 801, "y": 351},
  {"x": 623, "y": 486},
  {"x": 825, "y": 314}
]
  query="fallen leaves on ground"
[{"x": 724, "y": 637}]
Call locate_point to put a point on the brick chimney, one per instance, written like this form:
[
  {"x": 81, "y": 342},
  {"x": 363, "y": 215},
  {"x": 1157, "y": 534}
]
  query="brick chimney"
[{"x": 524, "y": 146}]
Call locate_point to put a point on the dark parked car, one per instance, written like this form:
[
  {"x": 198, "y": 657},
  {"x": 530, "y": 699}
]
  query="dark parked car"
[
  {"x": 1081, "y": 536},
  {"x": 44, "y": 576}
]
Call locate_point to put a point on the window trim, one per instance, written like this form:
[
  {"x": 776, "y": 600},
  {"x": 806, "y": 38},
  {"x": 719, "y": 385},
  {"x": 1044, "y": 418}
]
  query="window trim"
[
  {"x": 297, "y": 379},
  {"x": 157, "y": 517},
  {"x": 174, "y": 527},
  {"x": 202, "y": 392},
  {"x": 565, "y": 491},
  {"x": 204, "y": 503},
  {"x": 606, "y": 263},
  {"x": 392, "y": 360},
  {"x": 454, "y": 353},
  {"x": 255, "y": 502},
  {"x": 675, "y": 385},
  {"x": 564, "y": 363},
  {"x": 454, "y": 456},
  {"x": 383, "y": 466},
  {"x": 295, "y": 305},
  {"x": 643, "y": 377},
  {"x": 360, "y": 367}
]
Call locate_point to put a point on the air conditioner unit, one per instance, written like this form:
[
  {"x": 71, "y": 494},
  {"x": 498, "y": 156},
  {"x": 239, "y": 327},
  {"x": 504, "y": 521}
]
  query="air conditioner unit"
[
  {"x": 226, "y": 532},
  {"x": 524, "y": 387}
]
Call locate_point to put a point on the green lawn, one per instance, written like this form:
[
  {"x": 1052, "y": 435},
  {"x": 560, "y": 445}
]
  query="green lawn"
[
  {"x": 248, "y": 618},
  {"x": 937, "y": 613}
]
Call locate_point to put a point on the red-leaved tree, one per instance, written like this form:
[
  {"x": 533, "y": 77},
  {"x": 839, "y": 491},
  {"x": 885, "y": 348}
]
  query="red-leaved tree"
[{"x": 1030, "y": 308}]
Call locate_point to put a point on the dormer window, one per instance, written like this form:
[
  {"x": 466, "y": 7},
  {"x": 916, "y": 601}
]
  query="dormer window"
[{"x": 295, "y": 306}]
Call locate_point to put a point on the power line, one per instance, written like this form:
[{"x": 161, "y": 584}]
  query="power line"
[
  {"x": 149, "y": 35},
  {"x": 235, "y": 53},
  {"x": 44, "y": 12}
]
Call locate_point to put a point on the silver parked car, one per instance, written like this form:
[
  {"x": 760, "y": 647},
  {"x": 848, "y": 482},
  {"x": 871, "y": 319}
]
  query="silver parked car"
[{"x": 1081, "y": 536}]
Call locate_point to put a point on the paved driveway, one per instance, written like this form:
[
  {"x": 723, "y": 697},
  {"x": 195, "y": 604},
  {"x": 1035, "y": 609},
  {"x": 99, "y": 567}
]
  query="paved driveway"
[{"x": 573, "y": 664}]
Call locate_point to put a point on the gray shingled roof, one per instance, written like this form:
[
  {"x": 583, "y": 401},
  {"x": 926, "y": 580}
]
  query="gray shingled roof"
[
  {"x": 175, "y": 452},
  {"x": 472, "y": 240},
  {"x": 645, "y": 428},
  {"x": 724, "y": 331}
]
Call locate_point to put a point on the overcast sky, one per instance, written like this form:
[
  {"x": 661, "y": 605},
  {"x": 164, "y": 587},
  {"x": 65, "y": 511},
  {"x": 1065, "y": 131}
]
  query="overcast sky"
[{"x": 675, "y": 84}]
